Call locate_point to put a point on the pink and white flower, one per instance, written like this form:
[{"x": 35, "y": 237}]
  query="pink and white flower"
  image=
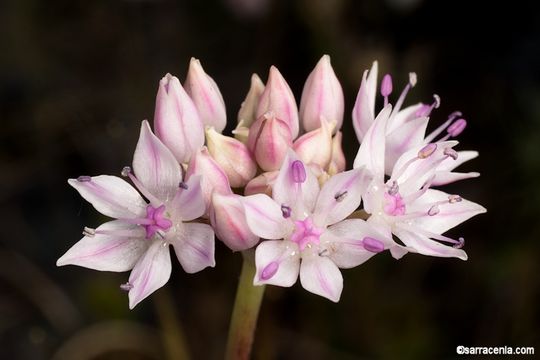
[
  {"x": 139, "y": 238},
  {"x": 306, "y": 231},
  {"x": 404, "y": 204}
]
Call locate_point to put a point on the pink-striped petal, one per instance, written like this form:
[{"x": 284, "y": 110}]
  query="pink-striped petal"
[
  {"x": 188, "y": 204},
  {"x": 321, "y": 276},
  {"x": 340, "y": 196},
  {"x": 277, "y": 262},
  {"x": 315, "y": 147},
  {"x": 108, "y": 252},
  {"x": 151, "y": 272},
  {"x": 403, "y": 116},
  {"x": 194, "y": 247},
  {"x": 110, "y": 195},
  {"x": 409, "y": 135},
  {"x": 265, "y": 218},
  {"x": 155, "y": 166},
  {"x": 364, "y": 108}
]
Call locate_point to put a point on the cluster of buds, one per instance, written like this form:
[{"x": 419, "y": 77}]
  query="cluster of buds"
[{"x": 278, "y": 186}]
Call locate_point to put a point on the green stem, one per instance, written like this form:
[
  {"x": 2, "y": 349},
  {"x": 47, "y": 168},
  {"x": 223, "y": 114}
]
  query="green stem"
[{"x": 245, "y": 312}]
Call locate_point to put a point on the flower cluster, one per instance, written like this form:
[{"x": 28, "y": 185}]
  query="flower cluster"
[{"x": 278, "y": 186}]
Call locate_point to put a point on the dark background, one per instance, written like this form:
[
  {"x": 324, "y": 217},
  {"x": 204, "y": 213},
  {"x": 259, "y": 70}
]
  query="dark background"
[{"x": 76, "y": 79}]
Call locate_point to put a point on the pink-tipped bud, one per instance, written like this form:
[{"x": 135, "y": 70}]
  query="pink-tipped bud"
[
  {"x": 337, "y": 161},
  {"x": 427, "y": 151},
  {"x": 269, "y": 139},
  {"x": 322, "y": 97},
  {"x": 176, "y": 120},
  {"x": 457, "y": 127},
  {"x": 213, "y": 178},
  {"x": 386, "y": 85},
  {"x": 232, "y": 156},
  {"x": 248, "y": 110},
  {"x": 315, "y": 147},
  {"x": 205, "y": 93},
  {"x": 228, "y": 219},
  {"x": 262, "y": 184},
  {"x": 278, "y": 98}
]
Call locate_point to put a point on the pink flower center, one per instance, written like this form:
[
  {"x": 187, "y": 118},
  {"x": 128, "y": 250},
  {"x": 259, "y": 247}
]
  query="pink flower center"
[
  {"x": 393, "y": 204},
  {"x": 306, "y": 233},
  {"x": 155, "y": 220}
]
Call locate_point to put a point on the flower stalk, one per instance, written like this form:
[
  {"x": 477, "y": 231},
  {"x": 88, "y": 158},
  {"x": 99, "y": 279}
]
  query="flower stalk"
[{"x": 245, "y": 312}]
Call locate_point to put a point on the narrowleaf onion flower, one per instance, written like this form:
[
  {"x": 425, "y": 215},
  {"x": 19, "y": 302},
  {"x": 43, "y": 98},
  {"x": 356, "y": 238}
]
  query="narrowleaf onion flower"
[
  {"x": 306, "y": 231},
  {"x": 139, "y": 238},
  {"x": 405, "y": 205}
]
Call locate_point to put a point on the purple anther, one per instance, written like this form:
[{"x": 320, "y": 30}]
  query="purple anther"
[
  {"x": 298, "y": 171},
  {"x": 339, "y": 196},
  {"x": 286, "y": 211},
  {"x": 457, "y": 127},
  {"x": 126, "y": 170},
  {"x": 269, "y": 270},
  {"x": 451, "y": 153},
  {"x": 434, "y": 210},
  {"x": 427, "y": 151},
  {"x": 84, "y": 178},
  {"x": 386, "y": 85},
  {"x": 460, "y": 244},
  {"x": 183, "y": 185},
  {"x": 372, "y": 245},
  {"x": 126, "y": 287},
  {"x": 454, "y": 199}
]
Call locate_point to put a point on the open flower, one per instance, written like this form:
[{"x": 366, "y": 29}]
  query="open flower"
[
  {"x": 306, "y": 229},
  {"x": 404, "y": 204},
  {"x": 140, "y": 236}
]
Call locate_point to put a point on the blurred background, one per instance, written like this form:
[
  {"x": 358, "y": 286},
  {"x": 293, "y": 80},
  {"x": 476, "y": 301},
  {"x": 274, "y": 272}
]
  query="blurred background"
[{"x": 76, "y": 79}]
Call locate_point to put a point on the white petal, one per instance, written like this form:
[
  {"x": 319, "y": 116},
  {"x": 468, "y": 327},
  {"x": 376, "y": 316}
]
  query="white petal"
[
  {"x": 188, "y": 204},
  {"x": 463, "y": 156},
  {"x": 111, "y": 196},
  {"x": 321, "y": 276},
  {"x": 151, "y": 272},
  {"x": 364, "y": 107},
  {"x": 264, "y": 217},
  {"x": 300, "y": 197},
  {"x": 447, "y": 177},
  {"x": 194, "y": 247},
  {"x": 340, "y": 196},
  {"x": 155, "y": 166},
  {"x": 277, "y": 263},
  {"x": 449, "y": 216},
  {"x": 372, "y": 150},
  {"x": 409, "y": 135},
  {"x": 105, "y": 252},
  {"x": 425, "y": 246},
  {"x": 403, "y": 116}
]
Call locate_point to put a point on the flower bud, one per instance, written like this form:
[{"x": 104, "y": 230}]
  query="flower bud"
[
  {"x": 269, "y": 139},
  {"x": 176, "y": 121},
  {"x": 262, "y": 184},
  {"x": 279, "y": 99},
  {"x": 315, "y": 147},
  {"x": 337, "y": 162},
  {"x": 248, "y": 110},
  {"x": 206, "y": 95},
  {"x": 322, "y": 97},
  {"x": 241, "y": 132},
  {"x": 213, "y": 178},
  {"x": 228, "y": 219},
  {"x": 232, "y": 156}
]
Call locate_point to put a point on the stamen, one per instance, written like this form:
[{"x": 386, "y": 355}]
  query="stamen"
[
  {"x": 441, "y": 128},
  {"x": 401, "y": 99},
  {"x": 451, "y": 153},
  {"x": 84, "y": 178},
  {"x": 427, "y": 151},
  {"x": 286, "y": 211},
  {"x": 437, "y": 101},
  {"x": 298, "y": 172},
  {"x": 460, "y": 244},
  {"x": 386, "y": 87},
  {"x": 183, "y": 185},
  {"x": 434, "y": 210},
  {"x": 372, "y": 245},
  {"x": 126, "y": 287},
  {"x": 126, "y": 170},
  {"x": 269, "y": 270},
  {"x": 89, "y": 232},
  {"x": 457, "y": 127},
  {"x": 340, "y": 196}
]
